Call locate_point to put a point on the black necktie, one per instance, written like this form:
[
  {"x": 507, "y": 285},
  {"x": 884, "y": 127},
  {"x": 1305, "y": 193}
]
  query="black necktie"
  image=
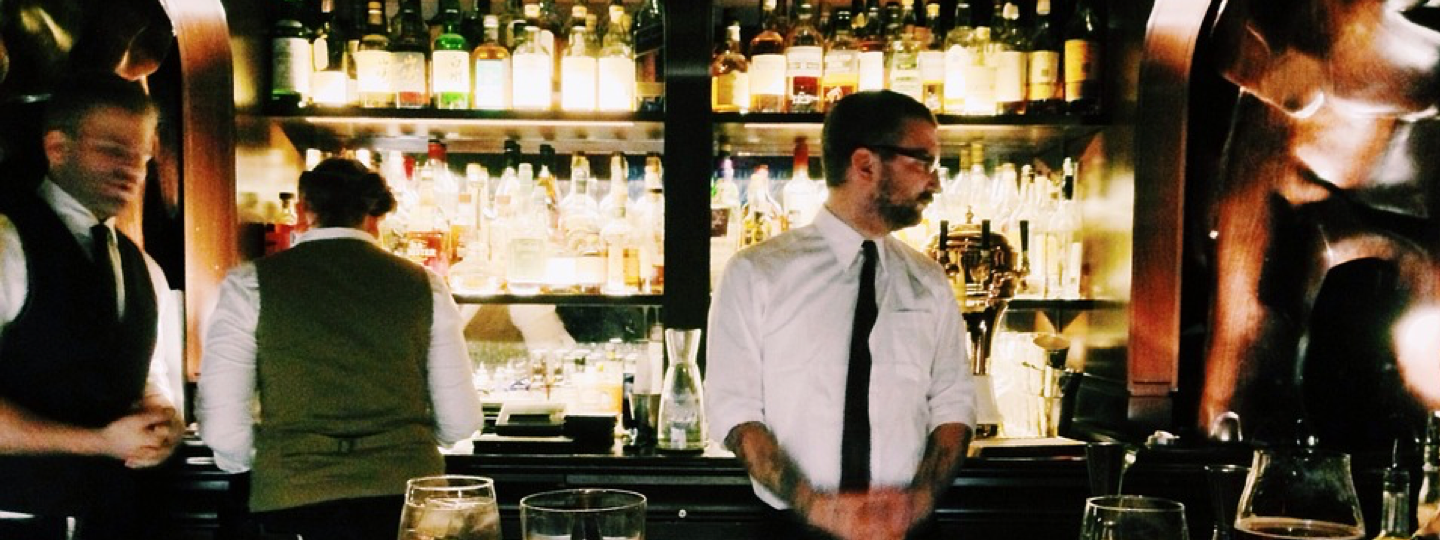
[
  {"x": 855, "y": 439},
  {"x": 100, "y": 254}
]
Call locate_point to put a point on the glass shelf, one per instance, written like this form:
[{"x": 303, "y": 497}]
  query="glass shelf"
[
  {"x": 468, "y": 131},
  {"x": 562, "y": 299},
  {"x": 775, "y": 133}
]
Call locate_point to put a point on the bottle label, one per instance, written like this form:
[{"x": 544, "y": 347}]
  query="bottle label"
[
  {"x": 577, "y": 83},
  {"x": 616, "y": 86},
  {"x": 409, "y": 72},
  {"x": 804, "y": 61},
  {"x": 932, "y": 66},
  {"x": 1010, "y": 77},
  {"x": 1044, "y": 75},
  {"x": 872, "y": 70},
  {"x": 1081, "y": 66},
  {"x": 291, "y": 66},
  {"x": 732, "y": 90},
  {"x": 449, "y": 71},
  {"x": 531, "y": 81},
  {"x": 491, "y": 87},
  {"x": 372, "y": 71},
  {"x": 767, "y": 75}
]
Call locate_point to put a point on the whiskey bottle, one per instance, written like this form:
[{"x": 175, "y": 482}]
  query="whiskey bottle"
[
  {"x": 801, "y": 196},
  {"x": 842, "y": 62},
  {"x": 290, "y": 57},
  {"x": 762, "y": 215},
  {"x": 957, "y": 60},
  {"x": 616, "y": 83},
  {"x": 932, "y": 60},
  {"x": 902, "y": 68},
  {"x": 533, "y": 73},
  {"x": 410, "y": 52},
  {"x": 1083, "y": 53},
  {"x": 492, "y": 69},
  {"x": 1044, "y": 91},
  {"x": 729, "y": 74},
  {"x": 373, "y": 63},
  {"x": 767, "y": 65},
  {"x": 871, "y": 34},
  {"x": 577, "y": 72},
  {"x": 450, "y": 61},
  {"x": 330, "y": 81},
  {"x": 1010, "y": 69},
  {"x": 649, "y": 44},
  {"x": 804, "y": 54}
]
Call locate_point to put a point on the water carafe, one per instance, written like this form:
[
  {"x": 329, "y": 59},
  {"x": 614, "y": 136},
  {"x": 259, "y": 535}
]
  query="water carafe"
[{"x": 682, "y": 398}]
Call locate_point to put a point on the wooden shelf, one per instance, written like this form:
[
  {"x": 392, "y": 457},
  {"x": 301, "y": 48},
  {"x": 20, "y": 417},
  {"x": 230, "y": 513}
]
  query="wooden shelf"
[
  {"x": 468, "y": 131},
  {"x": 641, "y": 300},
  {"x": 775, "y": 133},
  {"x": 1063, "y": 304}
]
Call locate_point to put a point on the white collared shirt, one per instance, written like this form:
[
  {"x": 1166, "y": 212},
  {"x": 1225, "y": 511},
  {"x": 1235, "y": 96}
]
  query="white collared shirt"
[
  {"x": 227, "y": 378},
  {"x": 15, "y": 278},
  {"x": 779, "y": 350}
]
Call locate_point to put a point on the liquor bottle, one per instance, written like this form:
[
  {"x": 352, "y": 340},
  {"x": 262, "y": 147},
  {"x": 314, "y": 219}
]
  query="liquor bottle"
[
  {"x": 577, "y": 72},
  {"x": 801, "y": 195},
  {"x": 1082, "y": 59},
  {"x": 290, "y": 57},
  {"x": 729, "y": 74},
  {"x": 409, "y": 52},
  {"x": 619, "y": 193},
  {"x": 872, "y": 49},
  {"x": 531, "y": 80},
  {"x": 1428, "y": 500},
  {"x": 1044, "y": 91},
  {"x": 444, "y": 10},
  {"x": 622, "y": 255},
  {"x": 472, "y": 24},
  {"x": 492, "y": 69},
  {"x": 932, "y": 60},
  {"x": 450, "y": 61},
  {"x": 842, "y": 62},
  {"x": 352, "y": 24},
  {"x": 649, "y": 43},
  {"x": 330, "y": 81},
  {"x": 902, "y": 66},
  {"x": 373, "y": 63},
  {"x": 804, "y": 54},
  {"x": 1395, "y": 500},
  {"x": 725, "y": 216},
  {"x": 649, "y": 223},
  {"x": 616, "y": 83},
  {"x": 767, "y": 65},
  {"x": 762, "y": 215},
  {"x": 1064, "y": 253},
  {"x": 545, "y": 183},
  {"x": 957, "y": 60},
  {"x": 1011, "y": 47},
  {"x": 580, "y": 221},
  {"x": 526, "y": 254},
  {"x": 280, "y": 233},
  {"x": 512, "y": 24},
  {"x": 979, "y": 74}
]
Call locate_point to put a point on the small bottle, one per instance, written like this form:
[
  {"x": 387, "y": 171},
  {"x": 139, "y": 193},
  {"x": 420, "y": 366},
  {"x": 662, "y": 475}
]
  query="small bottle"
[
  {"x": 1428, "y": 501},
  {"x": 1395, "y": 500}
]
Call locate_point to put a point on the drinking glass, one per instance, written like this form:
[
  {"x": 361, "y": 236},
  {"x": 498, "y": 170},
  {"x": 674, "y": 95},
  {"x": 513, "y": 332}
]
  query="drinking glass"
[
  {"x": 1226, "y": 482},
  {"x": 1133, "y": 517},
  {"x": 450, "y": 507},
  {"x": 1299, "y": 493},
  {"x": 583, "y": 514}
]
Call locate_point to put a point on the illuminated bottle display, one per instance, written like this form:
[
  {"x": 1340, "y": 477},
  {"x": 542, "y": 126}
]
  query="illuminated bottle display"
[
  {"x": 373, "y": 60},
  {"x": 533, "y": 73},
  {"x": 492, "y": 69},
  {"x": 767, "y": 65},
  {"x": 450, "y": 62},
  {"x": 616, "y": 84},
  {"x": 842, "y": 62},
  {"x": 729, "y": 75},
  {"x": 577, "y": 72},
  {"x": 804, "y": 57},
  {"x": 409, "y": 54}
]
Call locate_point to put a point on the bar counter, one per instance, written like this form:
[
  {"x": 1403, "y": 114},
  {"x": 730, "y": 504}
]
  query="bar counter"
[{"x": 1004, "y": 488}]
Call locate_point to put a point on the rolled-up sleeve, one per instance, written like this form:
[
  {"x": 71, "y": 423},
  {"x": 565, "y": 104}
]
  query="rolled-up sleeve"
[
  {"x": 452, "y": 395},
  {"x": 224, "y": 404},
  {"x": 734, "y": 393},
  {"x": 952, "y": 388}
]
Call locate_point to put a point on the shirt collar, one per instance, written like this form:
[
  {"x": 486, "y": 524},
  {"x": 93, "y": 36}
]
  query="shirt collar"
[
  {"x": 76, "y": 217},
  {"x": 335, "y": 233},
  {"x": 844, "y": 240}
]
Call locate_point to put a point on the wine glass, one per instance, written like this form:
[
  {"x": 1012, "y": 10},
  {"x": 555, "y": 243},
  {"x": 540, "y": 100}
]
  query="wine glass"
[
  {"x": 450, "y": 507},
  {"x": 1299, "y": 493},
  {"x": 1133, "y": 517}
]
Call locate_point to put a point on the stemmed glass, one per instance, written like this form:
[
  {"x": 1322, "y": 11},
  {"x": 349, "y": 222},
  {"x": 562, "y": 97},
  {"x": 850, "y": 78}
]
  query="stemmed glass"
[
  {"x": 1133, "y": 517},
  {"x": 450, "y": 507},
  {"x": 1299, "y": 493}
]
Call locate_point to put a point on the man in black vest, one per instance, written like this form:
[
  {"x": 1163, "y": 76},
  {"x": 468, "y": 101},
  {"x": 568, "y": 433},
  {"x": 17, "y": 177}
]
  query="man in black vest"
[{"x": 81, "y": 400}]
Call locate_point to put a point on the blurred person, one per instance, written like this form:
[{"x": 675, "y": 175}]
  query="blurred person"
[
  {"x": 836, "y": 356},
  {"x": 83, "y": 396},
  {"x": 355, "y": 358}
]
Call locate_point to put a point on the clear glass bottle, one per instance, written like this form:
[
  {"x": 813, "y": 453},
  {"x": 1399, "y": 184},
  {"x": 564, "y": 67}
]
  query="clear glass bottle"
[
  {"x": 682, "y": 396},
  {"x": 762, "y": 215},
  {"x": 577, "y": 72},
  {"x": 767, "y": 65},
  {"x": 902, "y": 67},
  {"x": 842, "y": 62},
  {"x": 1044, "y": 91},
  {"x": 450, "y": 61},
  {"x": 527, "y": 253},
  {"x": 725, "y": 216},
  {"x": 1428, "y": 500},
  {"x": 979, "y": 75},
  {"x": 1395, "y": 501},
  {"x": 1010, "y": 51},
  {"x": 410, "y": 54},
  {"x": 616, "y": 83},
  {"x": 804, "y": 57},
  {"x": 872, "y": 49},
  {"x": 932, "y": 61},
  {"x": 533, "y": 75},
  {"x": 330, "y": 82},
  {"x": 730, "y": 75},
  {"x": 1064, "y": 251},
  {"x": 957, "y": 59},
  {"x": 801, "y": 195},
  {"x": 492, "y": 69}
]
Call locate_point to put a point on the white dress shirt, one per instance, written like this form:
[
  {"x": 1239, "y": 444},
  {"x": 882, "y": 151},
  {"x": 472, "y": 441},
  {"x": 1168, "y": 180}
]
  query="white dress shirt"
[
  {"x": 779, "y": 351},
  {"x": 226, "y": 402},
  {"x": 15, "y": 279}
]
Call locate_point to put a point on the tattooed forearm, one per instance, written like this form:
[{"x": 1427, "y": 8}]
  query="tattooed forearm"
[
  {"x": 944, "y": 452},
  {"x": 763, "y": 458}
]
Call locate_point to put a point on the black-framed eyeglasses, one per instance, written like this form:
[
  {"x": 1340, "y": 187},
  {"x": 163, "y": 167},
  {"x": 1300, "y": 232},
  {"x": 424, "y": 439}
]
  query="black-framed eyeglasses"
[{"x": 932, "y": 163}]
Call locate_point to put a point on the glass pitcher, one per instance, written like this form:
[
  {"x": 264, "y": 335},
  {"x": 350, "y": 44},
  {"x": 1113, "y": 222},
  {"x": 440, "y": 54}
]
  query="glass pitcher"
[
  {"x": 682, "y": 399},
  {"x": 1299, "y": 493}
]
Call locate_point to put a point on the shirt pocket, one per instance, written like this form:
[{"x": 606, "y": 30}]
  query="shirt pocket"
[{"x": 902, "y": 345}]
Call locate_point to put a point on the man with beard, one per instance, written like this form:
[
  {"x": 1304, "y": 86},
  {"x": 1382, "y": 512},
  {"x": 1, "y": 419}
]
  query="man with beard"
[{"x": 836, "y": 355}]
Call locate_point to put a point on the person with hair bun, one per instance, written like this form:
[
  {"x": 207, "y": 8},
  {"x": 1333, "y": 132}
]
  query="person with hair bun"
[{"x": 355, "y": 357}]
